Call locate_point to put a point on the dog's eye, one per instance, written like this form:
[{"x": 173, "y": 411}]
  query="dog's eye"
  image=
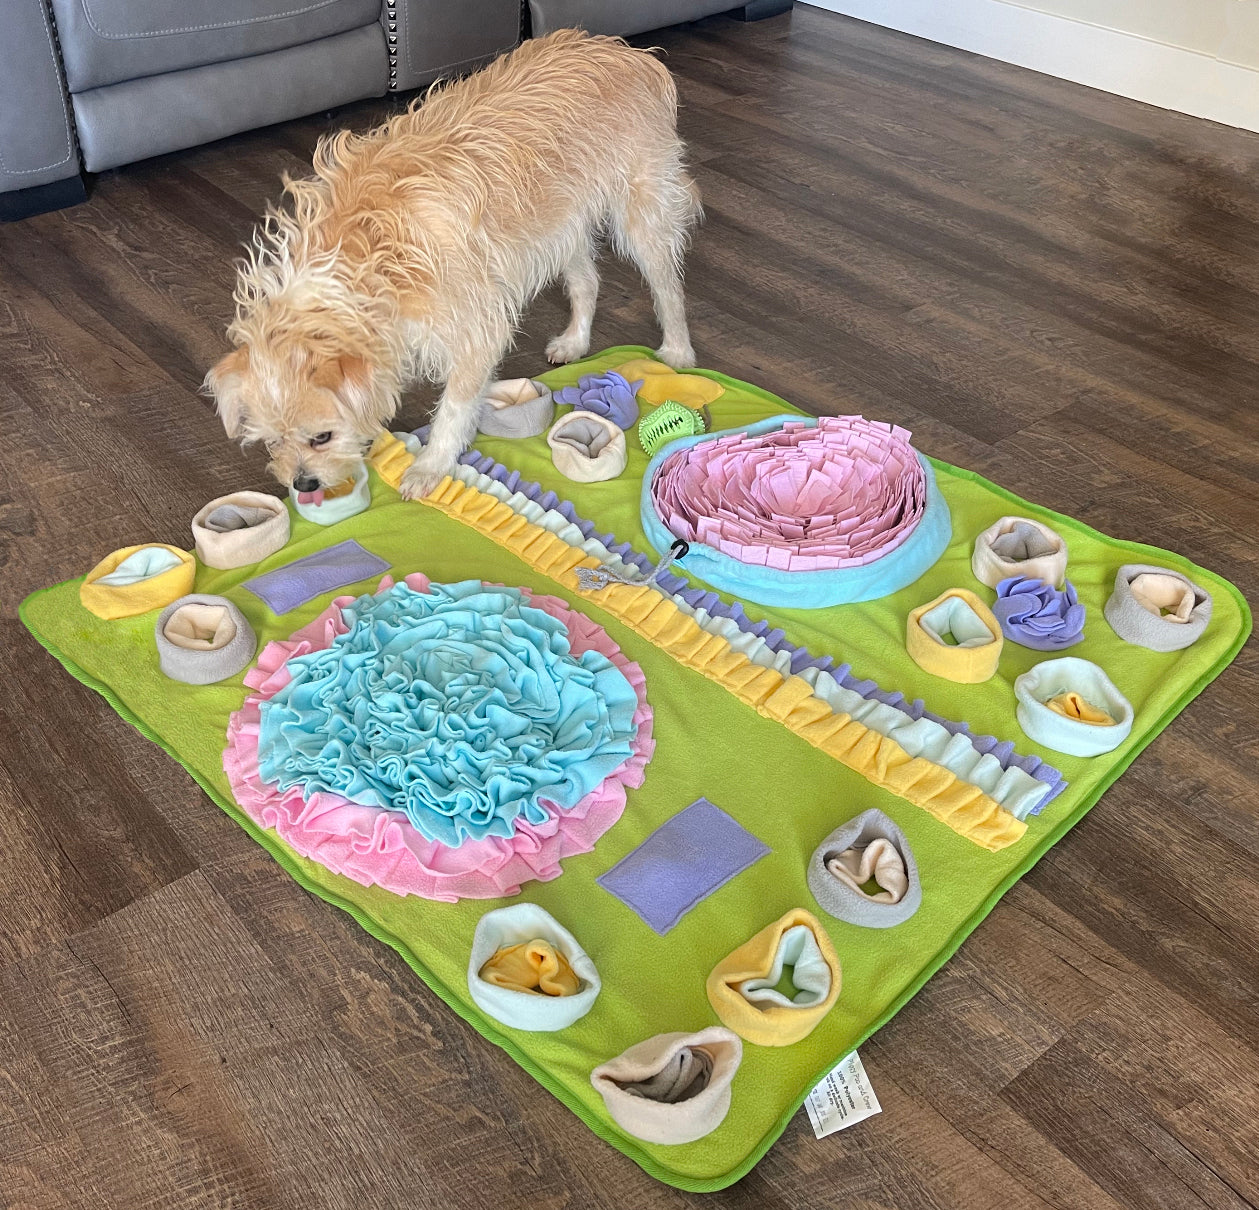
[{"x": 320, "y": 439}]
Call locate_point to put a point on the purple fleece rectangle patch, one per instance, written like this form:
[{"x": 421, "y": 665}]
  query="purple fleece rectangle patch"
[
  {"x": 682, "y": 862},
  {"x": 303, "y": 580}
]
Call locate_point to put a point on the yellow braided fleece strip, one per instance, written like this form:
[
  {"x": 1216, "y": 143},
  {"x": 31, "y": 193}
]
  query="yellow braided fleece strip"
[{"x": 786, "y": 699}]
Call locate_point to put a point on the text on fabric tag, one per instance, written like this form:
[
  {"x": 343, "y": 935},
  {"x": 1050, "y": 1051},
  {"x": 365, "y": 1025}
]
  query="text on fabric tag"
[{"x": 842, "y": 1099}]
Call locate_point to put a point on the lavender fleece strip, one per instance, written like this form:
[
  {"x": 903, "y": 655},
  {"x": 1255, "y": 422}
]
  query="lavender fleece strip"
[
  {"x": 304, "y": 579},
  {"x": 775, "y": 639},
  {"x": 690, "y": 856}
]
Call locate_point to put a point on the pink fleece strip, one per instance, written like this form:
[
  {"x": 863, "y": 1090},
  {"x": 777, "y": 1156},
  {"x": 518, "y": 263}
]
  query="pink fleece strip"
[{"x": 378, "y": 847}]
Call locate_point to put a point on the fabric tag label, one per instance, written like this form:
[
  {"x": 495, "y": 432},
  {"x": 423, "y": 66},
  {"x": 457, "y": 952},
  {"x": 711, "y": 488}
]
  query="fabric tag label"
[{"x": 842, "y": 1099}]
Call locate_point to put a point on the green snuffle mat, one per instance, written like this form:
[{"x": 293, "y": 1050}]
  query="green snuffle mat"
[{"x": 709, "y": 744}]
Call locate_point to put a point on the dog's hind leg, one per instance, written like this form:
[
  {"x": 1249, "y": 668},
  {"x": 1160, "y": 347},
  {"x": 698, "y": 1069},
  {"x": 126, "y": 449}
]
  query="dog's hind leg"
[
  {"x": 581, "y": 283},
  {"x": 654, "y": 232}
]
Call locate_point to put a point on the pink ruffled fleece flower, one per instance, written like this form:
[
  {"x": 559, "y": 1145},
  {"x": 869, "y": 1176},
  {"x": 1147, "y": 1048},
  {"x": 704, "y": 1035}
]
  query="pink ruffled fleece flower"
[{"x": 801, "y": 498}]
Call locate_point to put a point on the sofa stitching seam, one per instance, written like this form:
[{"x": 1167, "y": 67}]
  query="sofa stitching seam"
[
  {"x": 65, "y": 117},
  {"x": 193, "y": 29}
]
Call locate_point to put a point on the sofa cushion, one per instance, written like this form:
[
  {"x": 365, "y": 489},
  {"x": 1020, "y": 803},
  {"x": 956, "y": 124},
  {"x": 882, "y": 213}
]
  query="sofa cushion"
[
  {"x": 108, "y": 41},
  {"x": 621, "y": 16},
  {"x": 138, "y": 118},
  {"x": 437, "y": 37},
  {"x": 36, "y": 146}
]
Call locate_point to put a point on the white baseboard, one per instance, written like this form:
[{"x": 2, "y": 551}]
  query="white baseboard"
[{"x": 1131, "y": 66}]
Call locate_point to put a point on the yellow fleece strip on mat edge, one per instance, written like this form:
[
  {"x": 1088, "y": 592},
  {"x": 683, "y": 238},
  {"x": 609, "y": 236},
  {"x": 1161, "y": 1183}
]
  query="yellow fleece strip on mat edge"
[{"x": 785, "y": 699}]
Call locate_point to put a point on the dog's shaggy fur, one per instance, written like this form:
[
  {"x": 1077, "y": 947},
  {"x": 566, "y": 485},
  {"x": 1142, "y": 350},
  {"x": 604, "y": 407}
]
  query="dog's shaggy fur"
[{"x": 414, "y": 248}]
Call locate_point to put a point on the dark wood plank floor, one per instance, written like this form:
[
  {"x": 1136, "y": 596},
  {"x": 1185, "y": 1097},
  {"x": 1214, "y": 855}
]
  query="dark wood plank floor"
[{"x": 1055, "y": 287}]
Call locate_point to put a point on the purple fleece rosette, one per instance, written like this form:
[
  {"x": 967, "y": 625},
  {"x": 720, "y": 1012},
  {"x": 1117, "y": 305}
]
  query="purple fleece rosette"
[
  {"x": 609, "y": 395},
  {"x": 1038, "y": 615}
]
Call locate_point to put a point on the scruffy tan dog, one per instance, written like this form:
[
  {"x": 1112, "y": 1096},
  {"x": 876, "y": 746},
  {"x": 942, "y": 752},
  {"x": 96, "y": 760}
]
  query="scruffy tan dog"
[{"x": 414, "y": 248}]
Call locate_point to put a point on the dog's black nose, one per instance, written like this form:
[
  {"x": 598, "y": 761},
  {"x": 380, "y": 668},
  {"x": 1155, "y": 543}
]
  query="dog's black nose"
[{"x": 306, "y": 483}]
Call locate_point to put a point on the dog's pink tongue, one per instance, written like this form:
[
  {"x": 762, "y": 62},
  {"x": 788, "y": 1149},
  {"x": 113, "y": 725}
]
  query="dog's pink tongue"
[{"x": 310, "y": 497}]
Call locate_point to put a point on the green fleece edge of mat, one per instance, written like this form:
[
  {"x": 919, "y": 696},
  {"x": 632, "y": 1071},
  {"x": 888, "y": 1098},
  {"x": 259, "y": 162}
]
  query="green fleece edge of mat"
[{"x": 645, "y": 1160}]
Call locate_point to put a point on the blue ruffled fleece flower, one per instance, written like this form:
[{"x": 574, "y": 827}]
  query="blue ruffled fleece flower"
[
  {"x": 1038, "y": 615},
  {"x": 607, "y": 394},
  {"x": 461, "y": 707}
]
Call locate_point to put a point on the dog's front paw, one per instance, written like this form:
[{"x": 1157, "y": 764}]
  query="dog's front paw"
[
  {"x": 679, "y": 356},
  {"x": 421, "y": 477},
  {"x": 560, "y": 350}
]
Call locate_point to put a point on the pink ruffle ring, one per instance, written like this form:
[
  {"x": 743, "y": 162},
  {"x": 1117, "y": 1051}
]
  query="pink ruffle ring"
[{"x": 798, "y": 511}]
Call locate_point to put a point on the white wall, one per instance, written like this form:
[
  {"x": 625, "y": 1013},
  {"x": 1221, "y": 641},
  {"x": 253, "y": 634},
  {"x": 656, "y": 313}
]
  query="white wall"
[
  {"x": 1197, "y": 56},
  {"x": 1224, "y": 29}
]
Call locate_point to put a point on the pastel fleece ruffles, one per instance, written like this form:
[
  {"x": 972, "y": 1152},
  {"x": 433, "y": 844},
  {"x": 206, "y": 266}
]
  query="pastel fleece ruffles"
[
  {"x": 202, "y": 639},
  {"x": 587, "y": 448},
  {"x": 1019, "y": 546},
  {"x": 868, "y": 846},
  {"x": 817, "y": 512},
  {"x": 379, "y": 847},
  {"x": 1065, "y": 729},
  {"x": 742, "y": 986},
  {"x": 517, "y": 407},
  {"x": 960, "y": 615},
  {"x": 329, "y": 505},
  {"x": 529, "y": 1010},
  {"x": 745, "y": 663},
  {"x": 771, "y": 645},
  {"x": 240, "y": 529},
  {"x": 1157, "y": 608},
  {"x": 462, "y": 707},
  {"x": 673, "y": 1088},
  {"x": 136, "y": 579}
]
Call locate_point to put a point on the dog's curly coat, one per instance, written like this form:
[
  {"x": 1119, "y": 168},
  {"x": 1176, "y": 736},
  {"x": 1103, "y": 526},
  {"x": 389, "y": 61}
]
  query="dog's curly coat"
[{"x": 414, "y": 248}]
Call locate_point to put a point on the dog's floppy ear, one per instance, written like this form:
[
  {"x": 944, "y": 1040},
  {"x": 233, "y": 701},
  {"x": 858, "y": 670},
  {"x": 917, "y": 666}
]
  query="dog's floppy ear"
[
  {"x": 223, "y": 383},
  {"x": 352, "y": 380}
]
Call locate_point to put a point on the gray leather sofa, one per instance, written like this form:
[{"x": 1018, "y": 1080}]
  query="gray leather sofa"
[
  {"x": 113, "y": 81},
  {"x": 627, "y": 17},
  {"x": 92, "y": 84}
]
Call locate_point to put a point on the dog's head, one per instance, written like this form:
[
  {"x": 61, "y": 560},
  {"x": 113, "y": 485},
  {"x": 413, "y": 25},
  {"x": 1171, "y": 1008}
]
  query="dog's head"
[{"x": 316, "y": 411}]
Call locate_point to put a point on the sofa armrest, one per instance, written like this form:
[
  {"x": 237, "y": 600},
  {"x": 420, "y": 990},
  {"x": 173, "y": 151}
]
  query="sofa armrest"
[
  {"x": 431, "y": 38},
  {"x": 36, "y": 135}
]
